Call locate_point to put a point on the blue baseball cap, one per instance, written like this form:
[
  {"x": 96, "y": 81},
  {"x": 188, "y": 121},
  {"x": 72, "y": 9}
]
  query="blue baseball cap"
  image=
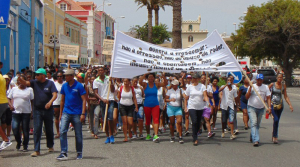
[{"x": 259, "y": 76}]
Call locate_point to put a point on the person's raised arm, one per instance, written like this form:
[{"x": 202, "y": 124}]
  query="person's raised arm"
[
  {"x": 164, "y": 83},
  {"x": 24, "y": 82},
  {"x": 248, "y": 94},
  {"x": 141, "y": 81},
  {"x": 222, "y": 88}
]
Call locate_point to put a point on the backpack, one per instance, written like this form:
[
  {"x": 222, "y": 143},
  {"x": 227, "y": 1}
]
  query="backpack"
[{"x": 121, "y": 88}]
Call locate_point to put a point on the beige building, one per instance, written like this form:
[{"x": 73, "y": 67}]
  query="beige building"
[{"x": 191, "y": 33}]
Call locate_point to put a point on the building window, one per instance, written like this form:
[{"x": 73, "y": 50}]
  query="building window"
[
  {"x": 63, "y": 7},
  {"x": 46, "y": 27},
  {"x": 190, "y": 27},
  {"x": 50, "y": 27},
  {"x": 191, "y": 39}
]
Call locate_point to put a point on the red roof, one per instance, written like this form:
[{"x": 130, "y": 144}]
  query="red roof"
[{"x": 73, "y": 4}]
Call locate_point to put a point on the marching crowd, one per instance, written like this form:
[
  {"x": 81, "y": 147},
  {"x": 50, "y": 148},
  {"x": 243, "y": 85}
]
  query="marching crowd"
[{"x": 32, "y": 102}]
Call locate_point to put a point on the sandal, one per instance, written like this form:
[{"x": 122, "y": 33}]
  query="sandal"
[
  {"x": 196, "y": 143},
  {"x": 96, "y": 137},
  {"x": 125, "y": 140}
]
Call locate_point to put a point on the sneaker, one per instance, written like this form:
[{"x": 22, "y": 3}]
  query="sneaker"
[
  {"x": 225, "y": 131},
  {"x": 141, "y": 137},
  {"x": 223, "y": 135},
  {"x": 166, "y": 126},
  {"x": 79, "y": 156},
  {"x": 51, "y": 150},
  {"x": 31, "y": 132},
  {"x": 148, "y": 137},
  {"x": 187, "y": 133},
  {"x": 120, "y": 128},
  {"x": 211, "y": 134},
  {"x": 232, "y": 137},
  {"x": 172, "y": 140},
  {"x": 164, "y": 130},
  {"x": 112, "y": 139},
  {"x": 246, "y": 128},
  {"x": 215, "y": 128},
  {"x": 62, "y": 157},
  {"x": 160, "y": 130},
  {"x": 25, "y": 149},
  {"x": 181, "y": 140},
  {"x": 236, "y": 132},
  {"x": 5, "y": 144},
  {"x": 134, "y": 137},
  {"x": 18, "y": 147},
  {"x": 255, "y": 144},
  {"x": 35, "y": 154},
  {"x": 156, "y": 139},
  {"x": 151, "y": 127},
  {"x": 107, "y": 140}
]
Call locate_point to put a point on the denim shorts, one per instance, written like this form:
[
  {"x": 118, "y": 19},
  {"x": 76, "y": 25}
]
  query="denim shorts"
[
  {"x": 127, "y": 111},
  {"x": 110, "y": 110},
  {"x": 140, "y": 114},
  {"x": 174, "y": 110},
  {"x": 227, "y": 114}
]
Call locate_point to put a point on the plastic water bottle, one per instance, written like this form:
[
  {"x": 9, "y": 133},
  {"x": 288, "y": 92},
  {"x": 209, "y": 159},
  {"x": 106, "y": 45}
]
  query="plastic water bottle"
[{"x": 267, "y": 115}]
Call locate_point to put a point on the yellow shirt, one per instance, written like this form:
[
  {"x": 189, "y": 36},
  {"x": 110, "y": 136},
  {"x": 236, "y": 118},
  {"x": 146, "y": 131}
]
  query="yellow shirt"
[{"x": 3, "y": 98}]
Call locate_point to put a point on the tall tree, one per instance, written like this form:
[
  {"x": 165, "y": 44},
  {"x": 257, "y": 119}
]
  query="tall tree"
[
  {"x": 149, "y": 5},
  {"x": 160, "y": 33},
  {"x": 160, "y": 4},
  {"x": 177, "y": 17},
  {"x": 271, "y": 31}
]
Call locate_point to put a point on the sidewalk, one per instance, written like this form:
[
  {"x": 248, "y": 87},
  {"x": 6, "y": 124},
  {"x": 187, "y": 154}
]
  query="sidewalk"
[{"x": 293, "y": 91}]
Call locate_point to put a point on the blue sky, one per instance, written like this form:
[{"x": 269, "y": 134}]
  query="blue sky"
[{"x": 215, "y": 14}]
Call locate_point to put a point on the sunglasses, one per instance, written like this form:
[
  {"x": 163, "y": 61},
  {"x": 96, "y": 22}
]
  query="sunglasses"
[{"x": 59, "y": 76}]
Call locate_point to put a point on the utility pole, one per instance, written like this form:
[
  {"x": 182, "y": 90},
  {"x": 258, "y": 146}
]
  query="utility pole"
[
  {"x": 32, "y": 33},
  {"x": 54, "y": 46}
]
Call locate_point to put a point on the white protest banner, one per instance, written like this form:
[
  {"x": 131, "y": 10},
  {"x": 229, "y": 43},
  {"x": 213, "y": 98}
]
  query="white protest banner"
[
  {"x": 68, "y": 52},
  {"x": 133, "y": 57}
]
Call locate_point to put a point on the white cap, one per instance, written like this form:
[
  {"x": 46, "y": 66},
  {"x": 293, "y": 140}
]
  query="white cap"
[{"x": 175, "y": 82}]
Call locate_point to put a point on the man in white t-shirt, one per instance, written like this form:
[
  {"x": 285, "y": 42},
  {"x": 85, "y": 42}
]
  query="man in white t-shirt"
[
  {"x": 256, "y": 107},
  {"x": 229, "y": 97},
  {"x": 100, "y": 86}
]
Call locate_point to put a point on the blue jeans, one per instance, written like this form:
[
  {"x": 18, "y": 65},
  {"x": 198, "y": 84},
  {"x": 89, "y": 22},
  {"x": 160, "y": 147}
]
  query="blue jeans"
[
  {"x": 255, "y": 116},
  {"x": 66, "y": 119},
  {"x": 17, "y": 119},
  {"x": 228, "y": 114},
  {"x": 40, "y": 117},
  {"x": 276, "y": 114}
]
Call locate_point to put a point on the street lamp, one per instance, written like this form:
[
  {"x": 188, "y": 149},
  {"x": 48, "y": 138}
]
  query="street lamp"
[{"x": 120, "y": 17}]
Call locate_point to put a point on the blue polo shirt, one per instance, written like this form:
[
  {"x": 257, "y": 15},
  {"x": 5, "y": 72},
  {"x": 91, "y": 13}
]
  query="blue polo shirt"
[{"x": 73, "y": 101}]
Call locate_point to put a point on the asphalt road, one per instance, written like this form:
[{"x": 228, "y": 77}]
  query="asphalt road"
[{"x": 210, "y": 152}]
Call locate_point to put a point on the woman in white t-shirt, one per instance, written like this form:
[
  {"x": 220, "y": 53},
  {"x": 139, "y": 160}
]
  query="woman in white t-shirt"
[
  {"x": 128, "y": 105},
  {"x": 56, "y": 104},
  {"x": 196, "y": 96},
  {"x": 20, "y": 102}
]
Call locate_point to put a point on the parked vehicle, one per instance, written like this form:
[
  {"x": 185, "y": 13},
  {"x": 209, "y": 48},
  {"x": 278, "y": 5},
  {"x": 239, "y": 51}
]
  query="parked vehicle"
[{"x": 269, "y": 75}]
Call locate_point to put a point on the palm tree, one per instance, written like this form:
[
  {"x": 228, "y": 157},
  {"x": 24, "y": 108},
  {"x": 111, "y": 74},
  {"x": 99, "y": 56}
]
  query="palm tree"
[
  {"x": 149, "y": 5},
  {"x": 176, "y": 32},
  {"x": 157, "y": 4}
]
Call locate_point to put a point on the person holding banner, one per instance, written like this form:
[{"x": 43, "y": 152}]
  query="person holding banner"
[
  {"x": 151, "y": 104},
  {"x": 196, "y": 97},
  {"x": 278, "y": 90},
  {"x": 256, "y": 107},
  {"x": 128, "y": 107},
  {"x": 174, "y": 98},
  {"x": 229, "y": 97},
  {"x": 101, "y": 89}
]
